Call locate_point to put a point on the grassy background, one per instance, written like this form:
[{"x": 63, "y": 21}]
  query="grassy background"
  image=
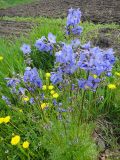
[{"x": 11, "y": 3}]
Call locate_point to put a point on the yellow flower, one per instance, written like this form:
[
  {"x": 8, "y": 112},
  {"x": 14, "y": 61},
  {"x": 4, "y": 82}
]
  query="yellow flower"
[
  {"x": 20, "y": 110},
  {"x": 52, "y": 92},
  {"x": 55, "y": 95},
  {"x": 50, "y": 87},
  {"x": 1, "y": 58},
  {"x": 1, "y": 120},
  {"x": 47, "y": 75},
  {"x": 26, "y": 144},
  {"x": 15, "y": 140},
  {"x": 7, "y": 119},
  {"x": 117, "y": 74},
  {"x": 95, "y": 76},
  {"x": 111, "y": 86},
  {"x": 25, "y": 98},
  {"x": 43, "y": 105},
  {"x": 44, "y": 87}
]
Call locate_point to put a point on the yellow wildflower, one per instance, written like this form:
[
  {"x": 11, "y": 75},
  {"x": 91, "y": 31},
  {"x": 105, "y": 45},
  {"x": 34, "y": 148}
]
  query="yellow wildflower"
[
  {"x": 6, "y": 119},
  {"x": 55, "y": 95},
  {"x": 20, "y": 110},
  {"x": 52, "y": 92},
  {"x": 95, "y": 76},
  {"x": 1, "y": 120},
  {"x": 43, "y": 105},
  {"x": 44, "y": 87},
  {"x": 1, "y": 58},
  {"x": 25, "y": 98},
  {"x": 26, "y": 144},
  {"x": 15, "y": 140},
  {"x": 47, "y": 75},
  {"x": 111, "y": 86},
  {"x": 117, "y": 74},
  {"x": 50, "y": 87}
]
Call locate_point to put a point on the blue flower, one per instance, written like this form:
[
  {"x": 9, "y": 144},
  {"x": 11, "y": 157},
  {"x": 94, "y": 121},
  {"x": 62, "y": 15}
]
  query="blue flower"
[
  {"x": 90, "y": 83},
  {"x": 65, "y": 55},
  {"x": 77, "y": 30},
  {"x": 42, "y": 45},
  {"x": 22, "y": 90},
  {"x": 51, "y": 38},
  {"x": 74, "y": 16},
  {"x": 75, "y": 43},
  {"x": 73, "y": 19},
  {"x": 32, "y": 101},
  {"x": 6, "y": 99},
  {"x": 31, "y": 76},
  {"x": 26, "y": 49},
  {"x": 12, "y": 82},
  {"x": 56, "y": 77},
  {"x": 96, "y": 60},
  {"x": 86, "y": 45}
]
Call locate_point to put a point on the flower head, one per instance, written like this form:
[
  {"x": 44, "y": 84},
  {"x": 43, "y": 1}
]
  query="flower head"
[
  {"x": 26, "y": 49},
  {"x": 51, "y": 38},
  {"x": 77, "y": 30},
  {"x": 73, "y": 18},
  {"x": 117, "y": 74},
  {"x": 47, "y": 75},
  {"x": 20, "y": 110},
  {"x": 56, "y": 77},
  {"x": 43, "y": 105},
  {"x": 90, "y": 83},
  {"x": 25, "y": 99},
  {"x": 31, "y": 76},
  {"x": 1, "y": 120},
  {"x": 1, "y": 58},
  {"x": 26, "y": 144},
  {"x": 50, "y": 87},
  {"x": 111, "y": 86},
  {"x": 44, "y": 87},
  {"x": 15, "y": 140},
  {"x": 55, "y": 95},
  {"x": 52, "y": 92},
  {"x": 42, "y": 46},
  {"x": 6, "y": 119}
]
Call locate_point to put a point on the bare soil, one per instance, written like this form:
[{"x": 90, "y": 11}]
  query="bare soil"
[
  {"x": 101, "y": 11},
  {"x": 13, "y": 28}
]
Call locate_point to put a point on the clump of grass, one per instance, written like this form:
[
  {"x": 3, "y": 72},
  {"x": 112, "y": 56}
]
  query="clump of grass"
[{"x": 11, "y": 3}]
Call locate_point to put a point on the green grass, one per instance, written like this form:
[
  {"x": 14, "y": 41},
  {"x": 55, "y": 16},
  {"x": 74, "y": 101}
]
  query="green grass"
[{"x": 11, "y": 3}]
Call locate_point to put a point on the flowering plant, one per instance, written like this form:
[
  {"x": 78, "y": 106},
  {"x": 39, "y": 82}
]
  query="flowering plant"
[{"x": 55, "y": 102}]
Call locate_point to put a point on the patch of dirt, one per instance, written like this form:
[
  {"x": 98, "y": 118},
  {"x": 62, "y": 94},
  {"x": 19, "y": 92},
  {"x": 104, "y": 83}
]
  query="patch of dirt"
[
  {"x": 102, "y": 11},
  {"x": 13, "y": 28},
  {"x": 105, "y": 136},
  {"x": 106, "y": 38}
]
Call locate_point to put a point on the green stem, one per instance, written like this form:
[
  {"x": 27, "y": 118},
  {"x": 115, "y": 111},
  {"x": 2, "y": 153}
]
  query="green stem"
[{"x": 16, "y": 127}]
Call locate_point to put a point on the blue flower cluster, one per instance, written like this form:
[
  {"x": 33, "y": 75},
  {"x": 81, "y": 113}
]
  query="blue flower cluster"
[
  {"x": 73, "y": 19},
  {"x": 96, "y": 60},
  {"x": 89, "y": 83},
  {"x": 31, "y": 77},
  {"x": 26, "y": 49},
  {"x": 45, "y": 45},
  {"x": 74, "y": 57}
]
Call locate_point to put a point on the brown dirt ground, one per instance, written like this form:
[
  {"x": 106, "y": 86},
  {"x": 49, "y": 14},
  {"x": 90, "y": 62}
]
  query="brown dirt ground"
[
  {"x": 13, "y": 28},
  {"x": 95, "y": 10}
]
